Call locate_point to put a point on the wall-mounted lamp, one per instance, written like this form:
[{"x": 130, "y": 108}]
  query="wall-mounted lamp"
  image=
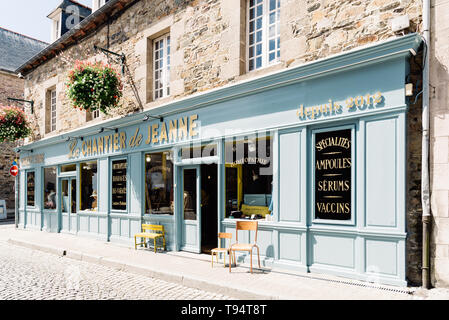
[
  {"x": 111, "y": 129},
  {"x": 148, "y": 117}
]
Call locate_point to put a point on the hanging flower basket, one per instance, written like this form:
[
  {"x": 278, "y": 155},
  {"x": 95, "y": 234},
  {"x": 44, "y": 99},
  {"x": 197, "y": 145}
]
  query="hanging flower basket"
[
  {"x": 94, "y": 86},
  {"x": 13, "y": 124}
]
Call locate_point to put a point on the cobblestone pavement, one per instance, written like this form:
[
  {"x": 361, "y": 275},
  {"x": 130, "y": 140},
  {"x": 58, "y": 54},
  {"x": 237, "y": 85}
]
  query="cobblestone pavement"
[{"x": 34, "y": 275}]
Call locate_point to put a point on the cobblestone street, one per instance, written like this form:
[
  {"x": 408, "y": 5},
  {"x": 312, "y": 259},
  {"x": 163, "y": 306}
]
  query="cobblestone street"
[{"x": 29, "y": 274}]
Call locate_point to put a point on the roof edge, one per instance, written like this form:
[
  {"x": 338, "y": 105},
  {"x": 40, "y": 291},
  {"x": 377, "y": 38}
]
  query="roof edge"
[{"x": 110, "y": 5}]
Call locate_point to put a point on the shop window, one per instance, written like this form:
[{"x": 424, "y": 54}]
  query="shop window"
[
  {"x": 89, "y": 186},
  {"x": 119, "y": 184},
  {"x": 333, "y": 174},
  {"x": 161, "y": 71},
  {"x": 248, "y": 178},
  {"x": 50, "y": 188},
  {"x": 68, "y": 168},
  {"x": 30, "y": 189},
  {"x": 263, "y": 33},
  {"x": 159, "y": 183}
]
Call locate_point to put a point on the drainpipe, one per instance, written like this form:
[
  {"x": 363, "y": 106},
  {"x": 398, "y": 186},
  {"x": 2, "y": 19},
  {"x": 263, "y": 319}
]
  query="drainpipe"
[{"x": 425, "y": 181}]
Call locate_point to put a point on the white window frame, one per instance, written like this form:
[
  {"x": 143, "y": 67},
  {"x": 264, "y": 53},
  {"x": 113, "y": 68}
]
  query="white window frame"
[
  {"x": 265, "y": 41},
  {"x": 164, "y": 78},
  {"x": 53, "y": 110}
]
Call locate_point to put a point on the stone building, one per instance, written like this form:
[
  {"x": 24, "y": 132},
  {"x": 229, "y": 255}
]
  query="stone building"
[
  {"x": 15, "y": 49},
  {"x": 217, "y": 50}
]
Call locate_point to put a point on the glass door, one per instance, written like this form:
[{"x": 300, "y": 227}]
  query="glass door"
[
  {"x": 191, "y": 209},
  {"x": 68, "y": 205}
]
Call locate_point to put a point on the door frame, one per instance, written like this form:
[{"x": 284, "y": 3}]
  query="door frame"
[
  {"x": 69, "y": 179},
  {"x": 180, "y": 212}
]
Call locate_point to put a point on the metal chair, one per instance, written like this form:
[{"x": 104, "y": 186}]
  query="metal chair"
[{"x": 245, "y": 225}]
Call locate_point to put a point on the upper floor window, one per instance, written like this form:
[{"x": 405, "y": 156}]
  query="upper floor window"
[
  {"x": 50, "y": 110},
  {"x": 263, "y": 33},
  {"x": 97, "y": 4},
  {"x": 53, "y": 110},
  {"x": 161, "y": 74},
  {"x": 57, "y": 29},
  {"x": 92, "y": 115}
]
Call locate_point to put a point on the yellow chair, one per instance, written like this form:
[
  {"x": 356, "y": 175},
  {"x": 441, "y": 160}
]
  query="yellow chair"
[
  {"x": 151, "y": 231},
  {"x": 245, "y": 225},
  {"x": 219, "y": 250}
]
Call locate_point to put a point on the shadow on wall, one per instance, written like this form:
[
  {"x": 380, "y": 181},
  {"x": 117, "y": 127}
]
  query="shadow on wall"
[{"x": 413, "y": 200}]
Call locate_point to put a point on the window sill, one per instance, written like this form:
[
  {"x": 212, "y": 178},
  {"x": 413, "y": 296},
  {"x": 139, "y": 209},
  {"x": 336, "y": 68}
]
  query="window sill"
[{"x": 239, "y": 219}]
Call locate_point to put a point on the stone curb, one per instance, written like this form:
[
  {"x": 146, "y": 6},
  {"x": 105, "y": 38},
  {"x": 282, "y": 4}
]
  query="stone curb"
[{"x": 180, "y": 279}]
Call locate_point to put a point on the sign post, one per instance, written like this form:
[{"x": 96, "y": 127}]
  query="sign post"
[{"x": 15, "y": 173}]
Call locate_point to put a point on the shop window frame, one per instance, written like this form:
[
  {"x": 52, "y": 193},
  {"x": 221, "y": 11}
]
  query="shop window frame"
[
  {"x": 56, "y": 188},
  {"x": 327, "y": 128},
  {"x": 144, "y": 183},
  {"x": 79, "y": 181},
  {"x": 26, "y": 189},
  {"x": 118, "y": 211},
  {"x": 263, "y": 134}
]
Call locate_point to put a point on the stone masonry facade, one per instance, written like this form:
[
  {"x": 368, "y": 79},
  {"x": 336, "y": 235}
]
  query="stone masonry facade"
[
  {"x": 208, "y": 50},
  {"x": 439, "y": 142},
  {"x": 10, "y": 86}
]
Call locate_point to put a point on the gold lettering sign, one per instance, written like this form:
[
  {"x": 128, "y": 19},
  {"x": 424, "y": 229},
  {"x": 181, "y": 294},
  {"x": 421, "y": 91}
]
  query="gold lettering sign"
[
  {"x": 157, "y": 133},
  {"x": 34, "y": 159},
  {"x": 331, "y": 108}
]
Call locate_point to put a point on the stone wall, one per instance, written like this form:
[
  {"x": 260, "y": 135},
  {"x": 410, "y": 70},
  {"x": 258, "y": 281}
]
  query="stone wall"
[
  {"x": 208, "y": 46},
  {"x": 10, "y": 86},
  {"x": 439, "y": 142}
]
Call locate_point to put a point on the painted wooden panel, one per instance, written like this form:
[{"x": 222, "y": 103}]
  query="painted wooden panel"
[
  {"x": 124, "y": 227},
  {"x": 103, "y": 225},
  {"x": 65, "y": 222},
  {"x": 289, "y": 177},
  {"x": 134, "y": 227},
  {"x": 135, "y": 183},
  {"x": 189, "y": 235},
  {"x": 264, "y": 242},
  {"x": 381, "y": 173},
  {"x": 115, "y": 226},
  {"x": 381, "y": 257},
  {"x": 289, "y": 246},
  {"x": 333, "y": 250},
  {"x": 53, "y": 219},
  {"x": 93, "y": 224},
  {"x": 83, "y": 223},
  {"x": 103, "y": 185}
]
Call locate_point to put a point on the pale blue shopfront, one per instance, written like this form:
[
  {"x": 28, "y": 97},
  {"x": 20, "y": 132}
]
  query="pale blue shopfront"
[{"x": 360, "y": 92}]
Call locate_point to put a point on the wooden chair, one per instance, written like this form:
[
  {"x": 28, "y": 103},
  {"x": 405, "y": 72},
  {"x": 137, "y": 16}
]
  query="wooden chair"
[
  {"x": 151, "y": 231},
  {"x": 245, "y": 225},
  {"x": 219, "y": 250}
]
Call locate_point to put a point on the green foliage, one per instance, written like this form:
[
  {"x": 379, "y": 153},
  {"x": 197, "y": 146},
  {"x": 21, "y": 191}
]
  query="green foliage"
[{"x": 93, "y": 86}]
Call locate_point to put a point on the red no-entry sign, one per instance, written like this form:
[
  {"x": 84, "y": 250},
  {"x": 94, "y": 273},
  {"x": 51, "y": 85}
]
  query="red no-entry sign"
[{"x": 14, "y": 171}]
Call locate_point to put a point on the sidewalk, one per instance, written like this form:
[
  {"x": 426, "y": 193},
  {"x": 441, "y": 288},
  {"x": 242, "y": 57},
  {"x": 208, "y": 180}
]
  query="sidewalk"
[{"x": 195, "y": 271}]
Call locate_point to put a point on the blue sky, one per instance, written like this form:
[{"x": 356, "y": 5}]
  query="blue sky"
[{"x": 29, "y": 17}]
